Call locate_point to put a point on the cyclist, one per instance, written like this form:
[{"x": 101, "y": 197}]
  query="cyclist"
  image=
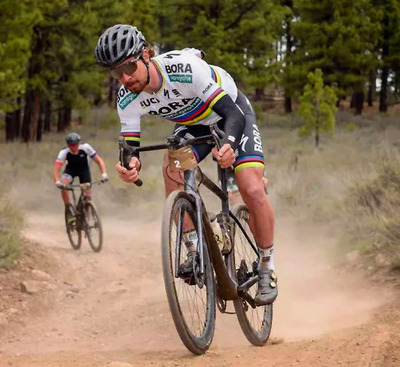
[
  {"x": 181, "y": 87},
  {"x": 76, "y": 159}
]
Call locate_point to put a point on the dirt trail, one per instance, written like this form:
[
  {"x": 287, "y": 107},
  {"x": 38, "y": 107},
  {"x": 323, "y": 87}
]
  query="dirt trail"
[{"x": 110, "y": 309}]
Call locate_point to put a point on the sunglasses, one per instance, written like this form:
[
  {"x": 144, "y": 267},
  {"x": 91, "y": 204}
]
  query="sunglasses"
[{"x": 128, "y": 68}]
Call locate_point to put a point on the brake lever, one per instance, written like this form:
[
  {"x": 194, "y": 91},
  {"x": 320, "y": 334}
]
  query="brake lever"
[
  {"x": 218, "y": 135},
  {"x": 125, "y": 154}
]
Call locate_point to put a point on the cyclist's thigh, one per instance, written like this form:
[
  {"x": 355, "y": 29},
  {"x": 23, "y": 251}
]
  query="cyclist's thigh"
[
  {"x": 194, "y": 131},
  {"x": 84, "y": 176},
  {"x": 68, "y": 176}
]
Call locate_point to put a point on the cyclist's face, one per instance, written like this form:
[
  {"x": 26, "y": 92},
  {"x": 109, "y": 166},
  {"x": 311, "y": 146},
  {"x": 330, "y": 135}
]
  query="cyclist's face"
[
  {"x": 73, "y": 148},
  {"x": 132, "y": 73}
]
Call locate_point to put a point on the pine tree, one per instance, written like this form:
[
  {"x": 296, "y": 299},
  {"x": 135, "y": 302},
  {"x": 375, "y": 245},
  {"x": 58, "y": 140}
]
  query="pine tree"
[{"x": 317, "y": 107}]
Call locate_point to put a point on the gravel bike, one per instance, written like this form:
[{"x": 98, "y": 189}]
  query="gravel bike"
[
  {"x": 81, "y": 216},
  {"x": 219, "y": 273}
]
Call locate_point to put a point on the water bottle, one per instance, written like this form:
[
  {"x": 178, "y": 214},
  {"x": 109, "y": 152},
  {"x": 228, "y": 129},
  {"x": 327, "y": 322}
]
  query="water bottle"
[{"x": 217, "y": 230}]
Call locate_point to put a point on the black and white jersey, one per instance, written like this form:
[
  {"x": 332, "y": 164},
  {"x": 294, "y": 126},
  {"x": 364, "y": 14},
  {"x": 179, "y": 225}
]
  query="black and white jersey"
[{"x": 77, "y": 162}]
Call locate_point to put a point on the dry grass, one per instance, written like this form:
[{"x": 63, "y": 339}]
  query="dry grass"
[{"x": 336, "y": 187}]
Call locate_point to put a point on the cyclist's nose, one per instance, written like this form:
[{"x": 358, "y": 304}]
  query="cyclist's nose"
[{"x": 125, "y": 78}]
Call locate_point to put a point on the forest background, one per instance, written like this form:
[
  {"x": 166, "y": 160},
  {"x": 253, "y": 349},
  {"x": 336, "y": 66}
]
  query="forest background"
[{"x": 48, "y": 68}]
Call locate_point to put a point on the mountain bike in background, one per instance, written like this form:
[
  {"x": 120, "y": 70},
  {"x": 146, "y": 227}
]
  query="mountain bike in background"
[
  {"x": 218, "y": 273},
  {"x": 81, "y": 216}
]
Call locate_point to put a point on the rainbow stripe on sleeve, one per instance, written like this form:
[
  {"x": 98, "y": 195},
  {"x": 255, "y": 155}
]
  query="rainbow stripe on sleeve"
[
  {"x": 131, "y": 136},
  {"x": 249, "y": 161},
  {"x": 203, "y": 110}
]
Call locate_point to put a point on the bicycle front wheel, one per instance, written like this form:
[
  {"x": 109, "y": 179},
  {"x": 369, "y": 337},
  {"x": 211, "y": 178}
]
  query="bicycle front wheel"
[
  {"x": 256, "y": 322},
  {"x": 94, "y": 230},
  {"x": 73, "y": 231},
  {"x": 191, "y": 297}
]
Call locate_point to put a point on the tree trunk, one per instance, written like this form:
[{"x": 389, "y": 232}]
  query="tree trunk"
[
  {"x": 18, "y": 118},
  {"x": 31, "y": 110},
  {"x": 288, "y": 104},
  {"x": 317, "y": 126},
  {"x": 60, "y": 121},
  {"x": 289, "y": 46},
  {"x": 40, "y": 123},
  {"x": 64, "y": 118},
  {"x": 13, "y": 122},
  {"x": 371, "y": 88},
  {"x": 112, "y": 91},
  {"x": 259, "y": 94},
  {"x": 385, "y": 69},
  {"x": 35, "y": 117},
  {"x": 358, "y": 102},
  {"x": 28, "y": 113},
  {"x": 47, "y": 117},
  {"x": 383, "y": 93},
  {"x": 10, "y": 126}
]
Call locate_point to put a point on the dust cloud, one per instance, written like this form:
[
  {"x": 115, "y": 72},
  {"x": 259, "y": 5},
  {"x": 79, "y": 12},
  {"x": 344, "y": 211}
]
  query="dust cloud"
[{"x": 315, "y": 295}]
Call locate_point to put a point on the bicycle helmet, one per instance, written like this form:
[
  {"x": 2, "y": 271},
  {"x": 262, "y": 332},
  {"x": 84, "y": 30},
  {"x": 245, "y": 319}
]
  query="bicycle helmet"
[
  {"x": 72, "y": 138},
  {"x": 118, "y": 43}
]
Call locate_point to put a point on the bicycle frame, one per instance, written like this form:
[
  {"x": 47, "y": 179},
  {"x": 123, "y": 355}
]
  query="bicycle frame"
[
  {"x": 228, "y": 288},
  {"x": 78, "y": 203}
]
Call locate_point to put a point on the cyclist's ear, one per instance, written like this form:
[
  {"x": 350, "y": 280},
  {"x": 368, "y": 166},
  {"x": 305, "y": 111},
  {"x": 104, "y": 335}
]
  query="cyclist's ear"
[{"x": 146, "y": 54}]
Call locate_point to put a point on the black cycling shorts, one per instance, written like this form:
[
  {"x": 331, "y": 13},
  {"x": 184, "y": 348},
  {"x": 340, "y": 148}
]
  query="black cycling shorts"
[
  {"x": 249, "y": 152},
  {"x": 84, "y": 176}
]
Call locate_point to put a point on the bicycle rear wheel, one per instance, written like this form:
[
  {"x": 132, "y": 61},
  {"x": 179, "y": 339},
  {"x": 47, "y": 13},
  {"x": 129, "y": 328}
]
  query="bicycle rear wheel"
[
  {"x": 256, "y": 322},
  {"x": 74, "y": 234},
  {"x": 94, "y": 230},
  {"x": 191, "y": 298}
]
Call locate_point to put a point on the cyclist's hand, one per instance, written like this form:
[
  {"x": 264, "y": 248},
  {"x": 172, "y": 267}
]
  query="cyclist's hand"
[
  {"x": 104, "y": 177},
  {"x": 59, "y": 184},
  {"x": 225, "y": 156},
  {"x": 131, "y": 175}
]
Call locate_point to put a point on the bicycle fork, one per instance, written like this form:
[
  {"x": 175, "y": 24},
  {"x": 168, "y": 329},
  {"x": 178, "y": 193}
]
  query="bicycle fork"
[{"x": 227, "y": 287}]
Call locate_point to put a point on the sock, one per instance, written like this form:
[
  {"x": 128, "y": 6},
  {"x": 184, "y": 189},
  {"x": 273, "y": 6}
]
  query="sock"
[
  {"x": 266, "y": 258},
  {"x": 191, "y": 240}
]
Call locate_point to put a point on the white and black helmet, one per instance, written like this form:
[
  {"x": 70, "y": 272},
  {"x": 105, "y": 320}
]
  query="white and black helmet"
[
  {"x": 118, "y": 43},
  {"x": 72, "y": 138}
]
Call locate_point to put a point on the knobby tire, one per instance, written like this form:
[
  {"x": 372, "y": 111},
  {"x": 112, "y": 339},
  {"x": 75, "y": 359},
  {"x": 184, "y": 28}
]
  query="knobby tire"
[
  {"x": 74, "y": 234},
  {"x": 255, "y": 323},
  {"x": 192, "y": 306},
  {"x": 94, "y": 229}
]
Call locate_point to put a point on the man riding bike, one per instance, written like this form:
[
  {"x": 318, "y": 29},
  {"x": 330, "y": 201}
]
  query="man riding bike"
[
  {"x": 181, "y": 87},
  {"x": 76, "y": 159}
]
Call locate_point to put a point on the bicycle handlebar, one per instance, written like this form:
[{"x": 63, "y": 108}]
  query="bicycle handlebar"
[
  {"x": 126, "y": 152},
  {"x": 70, "y": 187}
]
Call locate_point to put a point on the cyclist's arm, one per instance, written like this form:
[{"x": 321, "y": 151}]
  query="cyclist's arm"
[
  {"x": 234, "y": 120},
  {"x": 100, "y": 163},
  {"x": 130, "y": 130},
  {"x": 56, "y": 170},
  {"x": 62, "y": 155}
]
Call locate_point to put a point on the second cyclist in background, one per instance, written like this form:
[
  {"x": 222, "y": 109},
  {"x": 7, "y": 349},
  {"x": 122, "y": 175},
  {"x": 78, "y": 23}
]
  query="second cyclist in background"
[{"x": 76, "y": 158}]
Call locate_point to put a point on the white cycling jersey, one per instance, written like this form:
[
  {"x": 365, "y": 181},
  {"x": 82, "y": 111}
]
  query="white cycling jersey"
[
  {"x": 78, "y": 161},
  {"x": 188, "y": 88}
]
